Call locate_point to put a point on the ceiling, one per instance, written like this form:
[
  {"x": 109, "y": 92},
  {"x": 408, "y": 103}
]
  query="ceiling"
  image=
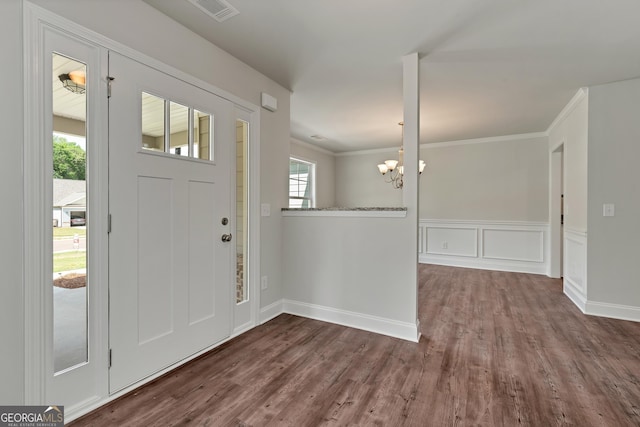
[
  {"x": 488, "y": 67},
  {"x": 65, "y": 103}
]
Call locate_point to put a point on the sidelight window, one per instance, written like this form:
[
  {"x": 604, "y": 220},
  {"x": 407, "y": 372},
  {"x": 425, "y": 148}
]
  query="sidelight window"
[{"x": 71, "y": 221}]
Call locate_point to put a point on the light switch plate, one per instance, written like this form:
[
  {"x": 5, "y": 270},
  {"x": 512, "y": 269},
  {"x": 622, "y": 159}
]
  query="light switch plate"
[
  {"x": 608, "y": 209},
  {"x": 265, "y": 209}
]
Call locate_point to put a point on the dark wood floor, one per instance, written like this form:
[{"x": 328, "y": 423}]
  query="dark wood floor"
[{"x": 498, "y": 349}]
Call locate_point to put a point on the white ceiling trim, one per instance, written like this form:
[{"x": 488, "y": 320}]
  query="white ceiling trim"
[
  {"x": 571, "y": 105},
  {"x": 502, "y": 138},
  {"x": 312, "y": 147}
]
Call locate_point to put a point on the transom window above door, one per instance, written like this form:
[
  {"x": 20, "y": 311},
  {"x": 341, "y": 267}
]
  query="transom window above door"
[{"x": 172, "y": 128}]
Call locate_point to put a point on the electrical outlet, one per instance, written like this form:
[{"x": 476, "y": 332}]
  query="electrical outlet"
[
  {"x": 445, "y": 245},
  {"x": 264, "y": 283}
]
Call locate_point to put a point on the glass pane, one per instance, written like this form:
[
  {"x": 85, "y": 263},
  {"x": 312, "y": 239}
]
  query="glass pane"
[
  {"x": 179, "y": 129},
  {"x": 242, "y": 140},
  {"x": 70, "y": 215},
  {"x": 152, "y": 122},
  {"x": 203, "y": 136}
]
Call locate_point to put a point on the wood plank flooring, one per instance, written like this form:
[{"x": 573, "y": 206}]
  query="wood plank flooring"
[{"x": 498, "y": 349}]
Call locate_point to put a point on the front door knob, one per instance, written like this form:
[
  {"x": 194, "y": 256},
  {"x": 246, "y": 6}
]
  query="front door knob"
[{"x": 226, "y": 237}]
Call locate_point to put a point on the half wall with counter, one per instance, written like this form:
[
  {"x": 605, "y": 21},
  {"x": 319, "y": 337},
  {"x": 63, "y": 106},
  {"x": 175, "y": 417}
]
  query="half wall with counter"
[{"x": 343, "y": 265}]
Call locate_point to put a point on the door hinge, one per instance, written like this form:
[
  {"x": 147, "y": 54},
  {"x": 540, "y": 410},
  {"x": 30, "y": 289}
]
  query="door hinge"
[
  {"x": 109, "y": 82},
  {"x": 110, "y": 353},
  {"x": 109, "y": 224}
]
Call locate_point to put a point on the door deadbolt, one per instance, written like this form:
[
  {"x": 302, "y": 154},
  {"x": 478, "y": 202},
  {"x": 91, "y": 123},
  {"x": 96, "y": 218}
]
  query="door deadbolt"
[
  {"x": 227, "y": 237},
  {"x": 225, "y": 221}
]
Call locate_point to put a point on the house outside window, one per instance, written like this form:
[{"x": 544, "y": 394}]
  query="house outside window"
[{"x": 301, "y": 183}]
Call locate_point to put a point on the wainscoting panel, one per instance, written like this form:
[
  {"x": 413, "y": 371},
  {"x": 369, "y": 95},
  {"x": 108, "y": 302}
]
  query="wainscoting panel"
[
  {"x": 514, "y": 245},
  {"x": 458, "y": 241},
  {"x": 575, "y": 266},
  {"x": 491, "y": 245}
]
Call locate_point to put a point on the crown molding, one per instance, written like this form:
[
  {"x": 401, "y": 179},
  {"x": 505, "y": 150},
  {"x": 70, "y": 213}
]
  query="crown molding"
[
  {"x": 312, "y": 147},
  {"x": 571, "y": 105},
  {"x": 490, "y": 139},
  {"x": 486, "y": 140}
]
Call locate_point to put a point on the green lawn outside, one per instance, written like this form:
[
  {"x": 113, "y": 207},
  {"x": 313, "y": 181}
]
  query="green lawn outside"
[
  {"x": 65, "y": 261},
  {"x": 68, "y": 232}
]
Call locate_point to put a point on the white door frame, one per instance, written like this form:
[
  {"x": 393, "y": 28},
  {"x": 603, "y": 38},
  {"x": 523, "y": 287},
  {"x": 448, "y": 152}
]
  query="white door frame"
[
  {"x": 41, "y": 41},
  {"x": 37, "y": 212},
  {"x": 252, "y": 167},
  {"x": 556, "y": 190}
]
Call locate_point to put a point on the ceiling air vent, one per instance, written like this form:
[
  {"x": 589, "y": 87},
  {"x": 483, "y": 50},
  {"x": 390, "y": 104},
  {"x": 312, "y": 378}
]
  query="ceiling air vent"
[{"x": 219, "y": 10}]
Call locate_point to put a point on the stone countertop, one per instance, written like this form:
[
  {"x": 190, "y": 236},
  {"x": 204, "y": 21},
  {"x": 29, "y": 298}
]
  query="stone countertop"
[
  {"x": 364, "y": 212},
  {"x": 343, "y": 209}
]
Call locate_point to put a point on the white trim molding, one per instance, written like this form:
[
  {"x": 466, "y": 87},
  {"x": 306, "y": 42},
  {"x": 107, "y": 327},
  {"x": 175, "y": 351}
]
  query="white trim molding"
[
  {"x": 614, "y": 311},
  {"x": 379, "y": 325},
  {"x": 485, "y": 140},
  {"x": 393, "y": 328},
  {"x": 518, "y": 246},
  {"x": 490, "y": 139},
  {"x": 571, "y": 105},
  {"x": 271, "y": 311},
  {"x": 575, "y": 266},
  {"x": 311, "y": 147}
]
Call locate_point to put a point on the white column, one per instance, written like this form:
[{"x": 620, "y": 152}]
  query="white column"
[
  {"x": 411, "y": 96},
  {"x": 411, "y": 143}
]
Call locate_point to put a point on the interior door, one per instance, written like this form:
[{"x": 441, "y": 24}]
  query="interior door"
[{"x": 170, "y": 249}]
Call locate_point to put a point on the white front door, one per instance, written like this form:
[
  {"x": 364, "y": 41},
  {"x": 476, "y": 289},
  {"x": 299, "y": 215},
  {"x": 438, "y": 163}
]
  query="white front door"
[{"x": 170, "y": 272}]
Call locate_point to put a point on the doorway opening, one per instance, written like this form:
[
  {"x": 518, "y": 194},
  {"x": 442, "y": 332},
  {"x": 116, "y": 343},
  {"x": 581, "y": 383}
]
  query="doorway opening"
[{"x": 556, "y": 211}]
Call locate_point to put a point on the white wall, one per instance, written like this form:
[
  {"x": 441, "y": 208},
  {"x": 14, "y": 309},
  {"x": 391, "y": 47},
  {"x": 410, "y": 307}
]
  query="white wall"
[
  {"x": 613, "y": 177},
  {"x": 340, "y": 269},
  {"x": 137, "y": 25},
  {"x": 359, "y": 182},
  {"x": 500, "y": 179},
  {"x": 11, "y": 246},
  {"x": 325, "y": 171}
]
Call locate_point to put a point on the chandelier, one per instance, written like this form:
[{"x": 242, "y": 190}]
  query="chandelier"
[{"x": 395, "y": 168}]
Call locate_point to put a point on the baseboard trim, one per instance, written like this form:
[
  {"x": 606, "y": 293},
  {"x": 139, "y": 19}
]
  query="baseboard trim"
[
  {"x": 271, "y": 311},
  {"x": 380, "y": 325},
  {"x": 614, "y": 311},
  {"x": 242, "y": 329},
  {"x": 574, "y": 295},
  {"x": 483, "y": 264}
]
